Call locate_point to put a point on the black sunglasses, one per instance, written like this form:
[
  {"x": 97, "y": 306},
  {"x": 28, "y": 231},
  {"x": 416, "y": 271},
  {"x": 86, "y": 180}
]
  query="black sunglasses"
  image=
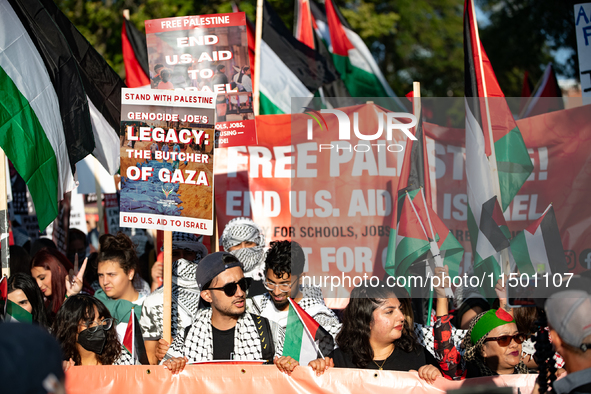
[
  {"x": 505, "y": 340},
  {"x": 230, "y": 288}
]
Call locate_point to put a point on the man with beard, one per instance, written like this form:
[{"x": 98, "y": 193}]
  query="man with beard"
[
  {"x": 284, "y": 267},
  {"x": 223, "y": 331},
  {"x": 187, "y": 252},
  {"x": 244, "y": 239}
]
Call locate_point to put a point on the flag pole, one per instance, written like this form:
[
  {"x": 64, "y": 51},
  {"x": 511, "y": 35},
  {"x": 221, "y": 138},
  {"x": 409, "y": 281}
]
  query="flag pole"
[
  {"x": 257, "y": 58},
  {"x": 492, "y": 159},
  {"x": 4, "y": 230},
  {"x": 99, "y": 198},
  {"x": 167, "y": 273}
]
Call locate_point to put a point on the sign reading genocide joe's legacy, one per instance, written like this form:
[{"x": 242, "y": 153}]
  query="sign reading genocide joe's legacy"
[
  {"x": 207, "y": 53},
  {"x": 167, "y": 160}
]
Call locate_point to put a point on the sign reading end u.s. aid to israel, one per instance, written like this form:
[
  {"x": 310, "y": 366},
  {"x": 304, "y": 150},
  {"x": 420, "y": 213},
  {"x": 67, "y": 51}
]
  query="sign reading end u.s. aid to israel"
[{"x": 167, "y": 153}]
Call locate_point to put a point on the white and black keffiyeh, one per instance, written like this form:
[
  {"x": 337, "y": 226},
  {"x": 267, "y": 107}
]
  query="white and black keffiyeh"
[
  {"x": 197, "y": 344},
  {"x": 124, "y": 358},
  {"x": 185, "y": 302},
  {"x": 239, "y": 230},
  {"x": 190, "y": 242}
]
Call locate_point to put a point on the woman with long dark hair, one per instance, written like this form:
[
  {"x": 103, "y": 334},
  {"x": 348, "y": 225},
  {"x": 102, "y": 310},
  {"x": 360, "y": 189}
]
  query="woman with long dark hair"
[
  {"x": 377, "y": 333},
  {"x": 24, "y": 292},
  {"x": 85, "y": 329},
  {"x": 117, "y": 264},
  {"x": 50, "y": 269}
]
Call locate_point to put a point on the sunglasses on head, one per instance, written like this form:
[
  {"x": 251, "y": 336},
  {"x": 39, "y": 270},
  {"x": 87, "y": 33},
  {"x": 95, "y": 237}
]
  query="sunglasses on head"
[
  {"x": 230, "y": 288},
  {"x": 505, "y": 340}
]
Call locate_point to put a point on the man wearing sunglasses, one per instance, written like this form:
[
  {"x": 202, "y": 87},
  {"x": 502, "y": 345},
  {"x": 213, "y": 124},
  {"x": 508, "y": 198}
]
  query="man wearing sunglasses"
[
  {"x": 569, "y": 318},
  {"x": 284, "y": 267},
  {"x": 223, "y": 331}
]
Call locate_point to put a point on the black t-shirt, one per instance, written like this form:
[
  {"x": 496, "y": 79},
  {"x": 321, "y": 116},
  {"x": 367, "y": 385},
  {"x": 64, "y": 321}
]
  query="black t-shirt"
[
  {"x": 399, "y": 360},
  {"x": 223, "y": 344}
]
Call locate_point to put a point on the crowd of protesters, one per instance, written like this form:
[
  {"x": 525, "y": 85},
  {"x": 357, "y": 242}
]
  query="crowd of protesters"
[{"x": 234, "y": 305}]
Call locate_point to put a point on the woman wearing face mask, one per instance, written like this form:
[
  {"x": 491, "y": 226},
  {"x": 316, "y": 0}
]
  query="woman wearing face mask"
[
  {"x": 50, "y": 269},
  {"x": 116, "y": 267},
  {"x": 85, "y": 329},
  {"x": 24, "y": 292},
  {"x": 493, "y": 345}
]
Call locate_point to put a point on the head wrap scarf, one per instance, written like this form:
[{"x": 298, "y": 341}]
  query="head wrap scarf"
[
  {"x": 240, "y": 230},
  {"x": 190, "y": 242},
  {"x": 474, "y": 340}
]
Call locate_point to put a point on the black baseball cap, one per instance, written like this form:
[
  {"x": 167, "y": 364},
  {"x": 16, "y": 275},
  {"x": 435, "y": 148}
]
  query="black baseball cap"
[{"x": 214, "y": 264}]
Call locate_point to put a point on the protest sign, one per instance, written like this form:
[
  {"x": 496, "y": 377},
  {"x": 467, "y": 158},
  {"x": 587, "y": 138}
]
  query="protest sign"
[
  {"x": 354, "y": 189},
  {"x": 207, "y": 53},
  {"x": 583, "y": 31},
  {"x": 111, "y": 213},
  {"x": 167, "y": 160}
]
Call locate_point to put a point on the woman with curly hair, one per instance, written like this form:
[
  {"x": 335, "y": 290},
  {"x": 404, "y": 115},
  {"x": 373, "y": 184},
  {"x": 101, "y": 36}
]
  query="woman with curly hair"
[
  {"x": 117, "y": 264},
  {"x": 50, "y": 269},
  {"x": 85, "y": 329},
  {"x": 377, "y": 334},
  {"x": 493, "y": 345},
  {"x": 24, "y": 292}
]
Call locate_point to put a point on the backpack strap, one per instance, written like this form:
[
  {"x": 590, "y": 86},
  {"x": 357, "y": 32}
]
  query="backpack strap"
[{"x": 264, "y": 330}]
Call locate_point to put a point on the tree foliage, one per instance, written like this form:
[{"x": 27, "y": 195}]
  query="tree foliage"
[
  {"x": 412, "y": 40},
  {"x": 522, "y": 35}
]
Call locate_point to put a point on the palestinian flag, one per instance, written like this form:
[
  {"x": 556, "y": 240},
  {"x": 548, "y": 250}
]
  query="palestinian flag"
[
  {"x": 538, "y": 248},
  {"x": 352, "y": 58},
  {"x": 303, "y": 30},
  {"x": 497, "y": 161},
  {"x": 412, "y": 242},
  {"x": 46, "y": 124},
  {"x": 503, "y": 143},
  {"x": 135, "y": 56},
  {"x": 133, "y": 340},
  {"x": 16, "y": 314},
  {"x": 302, "y": 335},
  {"x": 414, "y": 180},
  {"x": 289, "y": 68},
  {"x": 547, "y": 95},
  {"x": 488, "y": 230},
  {"x": 102, "y": 86}
]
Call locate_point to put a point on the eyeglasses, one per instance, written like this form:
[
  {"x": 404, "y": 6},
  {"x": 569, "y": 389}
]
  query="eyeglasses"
[
  {"x": 505, "y": 340},
  {"x": 93, "y": 326},
  {"x": 283, "y": 287},
  {"x": 230, "y": 288}
]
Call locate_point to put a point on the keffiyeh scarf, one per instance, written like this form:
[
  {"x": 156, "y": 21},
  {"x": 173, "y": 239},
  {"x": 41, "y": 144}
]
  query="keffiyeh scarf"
[
  {"x": 240, "y": 230},
  {"x": 190, "y": 242},
  {"x": 197, "y": 344}
]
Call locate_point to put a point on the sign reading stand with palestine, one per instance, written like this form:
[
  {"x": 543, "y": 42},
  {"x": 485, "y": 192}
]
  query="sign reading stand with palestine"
[
  {"x": 167, "y": 160},
  {"x": 207, "y": 53}
]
